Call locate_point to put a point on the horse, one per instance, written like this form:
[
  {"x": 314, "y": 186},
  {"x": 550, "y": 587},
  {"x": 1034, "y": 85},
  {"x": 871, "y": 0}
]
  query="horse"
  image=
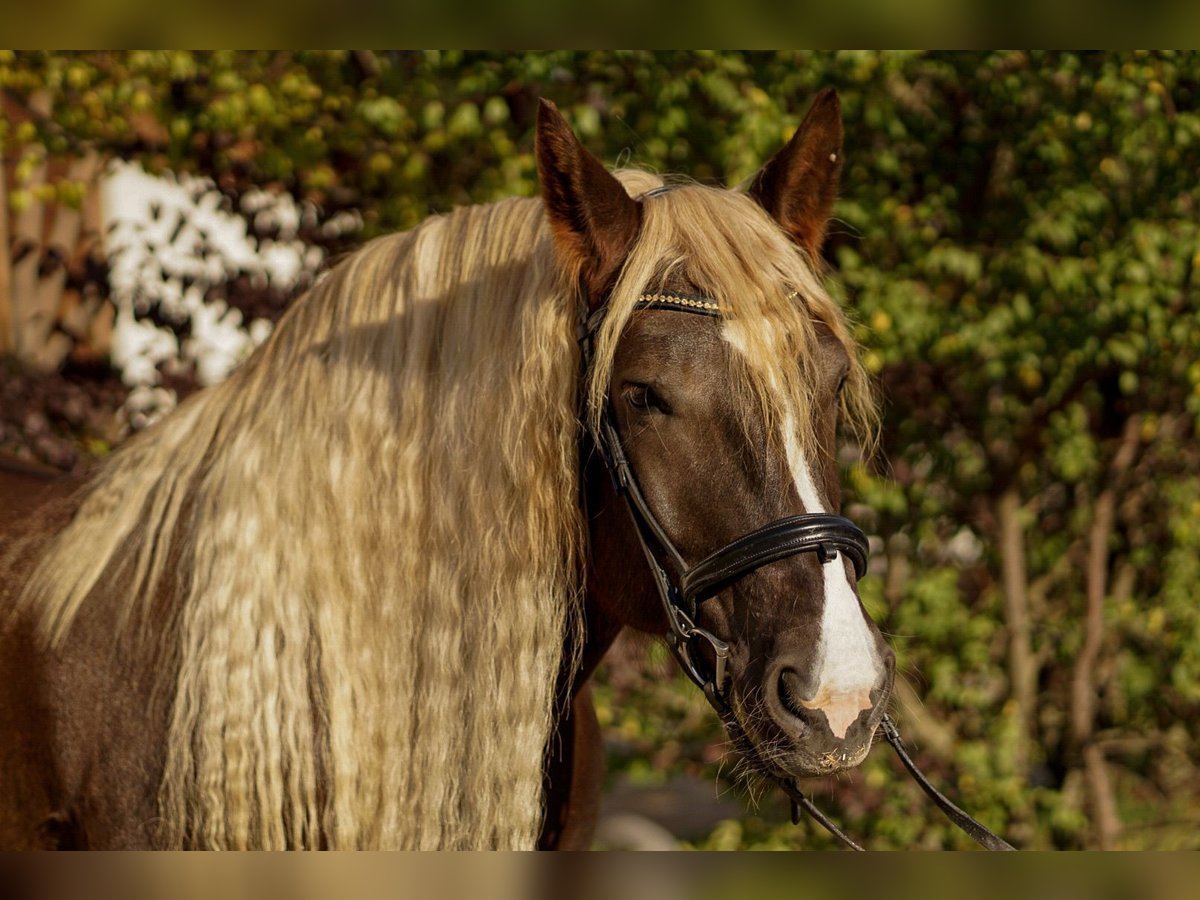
[{"x": 352, "y": 596}]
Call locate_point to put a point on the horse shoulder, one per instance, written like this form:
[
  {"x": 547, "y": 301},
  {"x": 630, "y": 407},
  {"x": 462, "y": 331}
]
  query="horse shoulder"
[
  {"x": 110, "y": 727},
  {"x": 81, "y": 732},
  {"x": 31, "y": 808},
  {"x": 575, "y": 776},
  {"x": 30, "y": 802}
]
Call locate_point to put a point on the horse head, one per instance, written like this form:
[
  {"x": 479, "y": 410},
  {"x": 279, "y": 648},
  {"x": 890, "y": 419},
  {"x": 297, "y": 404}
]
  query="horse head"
[{"x": 715, "y": 371}]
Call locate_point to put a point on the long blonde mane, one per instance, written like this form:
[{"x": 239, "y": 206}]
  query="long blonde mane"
[{"x": 372, "y": 533}]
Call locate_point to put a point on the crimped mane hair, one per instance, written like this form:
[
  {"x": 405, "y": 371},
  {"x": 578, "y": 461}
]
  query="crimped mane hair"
[{"x": 360, "y": 556}]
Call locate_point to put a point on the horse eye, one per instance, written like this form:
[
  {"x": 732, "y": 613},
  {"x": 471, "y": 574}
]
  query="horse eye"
[{"x": 642, "y": 396}]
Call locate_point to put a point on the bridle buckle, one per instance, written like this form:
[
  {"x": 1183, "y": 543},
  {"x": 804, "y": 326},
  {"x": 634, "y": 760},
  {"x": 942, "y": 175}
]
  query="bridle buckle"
[{"x": 683, "y": 632}]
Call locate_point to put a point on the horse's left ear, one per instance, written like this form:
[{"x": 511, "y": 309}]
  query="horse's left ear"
[
  {"x": 798, "y": 184},
  {"x": 595, "y": 220}
]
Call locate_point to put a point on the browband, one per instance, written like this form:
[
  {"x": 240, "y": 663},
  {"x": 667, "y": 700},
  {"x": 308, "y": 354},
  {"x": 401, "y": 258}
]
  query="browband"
[
  {"x": 676, "y": 301},
  {"x": 679, "y": 302}
]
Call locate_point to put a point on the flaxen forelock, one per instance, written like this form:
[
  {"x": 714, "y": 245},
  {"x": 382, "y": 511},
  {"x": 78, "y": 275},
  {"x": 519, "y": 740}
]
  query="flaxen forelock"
[{"x": 725, "y": 247}]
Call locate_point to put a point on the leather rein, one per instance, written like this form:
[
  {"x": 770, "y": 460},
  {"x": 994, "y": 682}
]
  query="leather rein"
[{"x": 823, "y": 534}]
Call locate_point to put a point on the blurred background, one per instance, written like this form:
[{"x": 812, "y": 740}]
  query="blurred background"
[{"x": 1017, "y": 240}]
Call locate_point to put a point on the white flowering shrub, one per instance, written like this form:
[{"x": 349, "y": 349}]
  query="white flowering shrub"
[{"x": 175, "y": 245}]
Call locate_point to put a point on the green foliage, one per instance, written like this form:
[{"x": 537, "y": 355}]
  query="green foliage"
[{"x": 1017, "y": 239}]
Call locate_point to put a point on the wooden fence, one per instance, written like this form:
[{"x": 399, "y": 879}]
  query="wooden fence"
[{"x": 53, "y": 295}]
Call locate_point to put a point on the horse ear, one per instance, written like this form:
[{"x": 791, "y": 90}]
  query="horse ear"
[
  {"x": 798, "y": 184},
  {"x": 595, "y": 221}
]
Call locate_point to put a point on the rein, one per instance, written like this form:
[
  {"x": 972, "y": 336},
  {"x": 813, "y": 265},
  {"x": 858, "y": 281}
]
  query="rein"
[{"x": 824, "y": 534}]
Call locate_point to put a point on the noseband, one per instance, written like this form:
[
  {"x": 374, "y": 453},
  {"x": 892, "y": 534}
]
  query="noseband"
[{"x": 682, "y": 589}]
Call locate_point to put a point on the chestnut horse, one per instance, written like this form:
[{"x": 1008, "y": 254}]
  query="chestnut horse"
[{"x": 352, "y": 596}]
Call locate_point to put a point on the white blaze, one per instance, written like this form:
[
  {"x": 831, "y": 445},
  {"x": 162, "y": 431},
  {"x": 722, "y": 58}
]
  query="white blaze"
[{"x": 847, "y": 664}]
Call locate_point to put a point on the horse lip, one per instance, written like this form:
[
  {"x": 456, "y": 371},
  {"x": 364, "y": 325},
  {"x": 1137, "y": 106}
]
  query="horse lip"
[
  {"x": 797, "y": 762},
  {"x": 825, "y": 764}
]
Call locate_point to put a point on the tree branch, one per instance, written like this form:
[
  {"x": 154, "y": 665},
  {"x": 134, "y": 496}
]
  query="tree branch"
[
  {"x": 6, "y": 304},
  {"x": 1084, "y": 689},
  {"x": 1022, "y": 665},
  {"x": 1103, "y": 803}
]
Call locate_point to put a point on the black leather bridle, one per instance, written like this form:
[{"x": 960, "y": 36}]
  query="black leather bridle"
[
  {"x": 685, "y": 587},
  {"x": 682, "y": 588}
]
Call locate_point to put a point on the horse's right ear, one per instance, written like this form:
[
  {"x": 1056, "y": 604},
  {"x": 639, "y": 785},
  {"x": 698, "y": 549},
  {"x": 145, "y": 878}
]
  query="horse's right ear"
[{"x": 595, "y": 221}]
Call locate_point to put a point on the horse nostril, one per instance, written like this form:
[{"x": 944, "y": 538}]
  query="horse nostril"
[{"x": 794, "y": 693}]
